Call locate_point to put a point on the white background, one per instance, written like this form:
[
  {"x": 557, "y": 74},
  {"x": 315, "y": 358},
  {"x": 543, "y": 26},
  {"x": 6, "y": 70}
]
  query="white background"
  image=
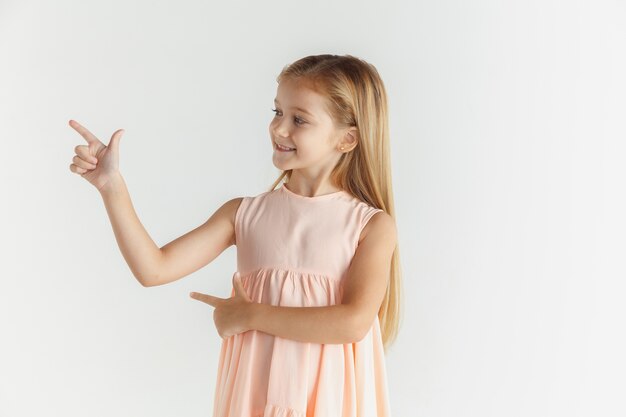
[{"x": 507, "y": 137}]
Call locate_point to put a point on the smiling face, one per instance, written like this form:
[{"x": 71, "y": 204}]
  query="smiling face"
[{"x": 301, "y": 121}]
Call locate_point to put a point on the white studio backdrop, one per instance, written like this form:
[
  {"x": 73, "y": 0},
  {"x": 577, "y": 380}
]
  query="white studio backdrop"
[{"x": 507, "y": 130}]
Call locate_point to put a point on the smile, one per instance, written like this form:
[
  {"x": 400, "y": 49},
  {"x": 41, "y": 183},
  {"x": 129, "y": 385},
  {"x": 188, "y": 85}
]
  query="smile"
[{"x": 283, "y": 148}]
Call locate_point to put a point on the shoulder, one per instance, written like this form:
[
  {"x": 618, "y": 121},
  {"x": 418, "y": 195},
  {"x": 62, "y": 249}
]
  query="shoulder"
[
  {"x": 233, "y": 204},
  {"x": 380, "y": 226},
  {"x": 230, "y": 207},
  {"x": 226, "y": 214}
]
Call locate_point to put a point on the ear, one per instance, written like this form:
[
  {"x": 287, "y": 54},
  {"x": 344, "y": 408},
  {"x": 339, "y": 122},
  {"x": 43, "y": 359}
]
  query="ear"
[{"x": 350, "y": 139}]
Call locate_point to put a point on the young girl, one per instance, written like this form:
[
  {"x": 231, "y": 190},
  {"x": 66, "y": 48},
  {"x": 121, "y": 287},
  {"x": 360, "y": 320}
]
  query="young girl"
[{"x": 316, "y": 295}]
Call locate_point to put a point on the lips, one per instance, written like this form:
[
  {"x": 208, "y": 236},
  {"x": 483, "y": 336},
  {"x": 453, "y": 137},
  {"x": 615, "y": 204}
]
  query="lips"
[{"x": 283, "y": 148}]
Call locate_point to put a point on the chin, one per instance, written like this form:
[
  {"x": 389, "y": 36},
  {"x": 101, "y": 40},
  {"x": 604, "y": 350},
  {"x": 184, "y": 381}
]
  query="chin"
[
  {"x": 278, "y": 164},
  {"x": 281, "y": 165}
]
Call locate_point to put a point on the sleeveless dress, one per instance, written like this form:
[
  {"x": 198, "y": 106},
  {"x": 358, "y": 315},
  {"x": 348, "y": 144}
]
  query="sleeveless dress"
[{"x": 294, "y": 250}]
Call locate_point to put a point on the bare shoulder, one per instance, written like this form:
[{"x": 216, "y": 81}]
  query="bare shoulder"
[
  {"x": 229, "y": 210},
  {"x": 232, "y": 205},
  {"x": 380, "y": 226},
  {"x": 225, "y": 217}
]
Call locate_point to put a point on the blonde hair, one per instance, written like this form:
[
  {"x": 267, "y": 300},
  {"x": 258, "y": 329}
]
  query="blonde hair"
[{"x": 357, "y": 97}]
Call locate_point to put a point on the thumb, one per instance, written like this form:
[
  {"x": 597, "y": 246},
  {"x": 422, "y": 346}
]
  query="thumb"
[
  {"x": 239, "y": 289},
  {"x": 114, "y": 143}
]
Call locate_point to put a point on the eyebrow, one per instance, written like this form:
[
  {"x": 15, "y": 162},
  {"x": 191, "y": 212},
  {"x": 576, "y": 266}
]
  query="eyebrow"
[{"x": 298, "y": 108}]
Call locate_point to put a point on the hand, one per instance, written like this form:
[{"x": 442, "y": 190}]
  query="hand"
[
  {"x": 96, "y": 162},
  {"x": 231, "y": 315}
]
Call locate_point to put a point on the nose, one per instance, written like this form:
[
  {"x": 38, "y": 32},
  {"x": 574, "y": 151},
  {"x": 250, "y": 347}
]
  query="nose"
[{"x": 278, "y": 129}]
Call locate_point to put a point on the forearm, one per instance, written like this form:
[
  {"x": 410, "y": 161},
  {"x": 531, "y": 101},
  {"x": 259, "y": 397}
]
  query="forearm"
[
  {"x": 139, "y": 250},
  {"x": 328, "y": 324}
]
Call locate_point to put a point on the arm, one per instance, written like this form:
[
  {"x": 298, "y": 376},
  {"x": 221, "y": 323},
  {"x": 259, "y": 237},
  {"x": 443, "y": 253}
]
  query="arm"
[
  {"x": 364, "y": 289},
  {"x": 152, "y": 265},
  {"x": 140, "y": 252},
  {"x": 329, "y": 324}
]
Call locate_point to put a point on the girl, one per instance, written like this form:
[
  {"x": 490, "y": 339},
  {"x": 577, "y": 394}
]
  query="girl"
[{"x": 315, "y": 299}]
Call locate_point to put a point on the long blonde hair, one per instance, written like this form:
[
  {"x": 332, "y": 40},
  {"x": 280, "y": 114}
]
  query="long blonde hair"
[{"x": 357, "y": 97}]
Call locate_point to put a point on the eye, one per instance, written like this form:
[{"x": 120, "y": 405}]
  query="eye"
[{"x": 298, "y": 120}]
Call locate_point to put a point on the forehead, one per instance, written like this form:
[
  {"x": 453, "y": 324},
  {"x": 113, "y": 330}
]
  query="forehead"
[{"x": 298, "y": 93}]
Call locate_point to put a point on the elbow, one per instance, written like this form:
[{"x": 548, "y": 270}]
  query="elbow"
[
  {"x": 358, "y": 335},
  {"x": 143, "y": 282},
  {"x": 151, "y": 278},
  {"x": 356, "y": 327},
  {"x": 146, "y": 281}
]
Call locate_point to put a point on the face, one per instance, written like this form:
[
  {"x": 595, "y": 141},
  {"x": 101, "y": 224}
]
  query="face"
[{"x": 301, "y": 122}]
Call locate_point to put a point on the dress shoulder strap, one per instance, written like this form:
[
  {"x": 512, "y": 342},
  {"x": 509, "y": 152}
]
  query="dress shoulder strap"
[{"x": 366, "y": 212}]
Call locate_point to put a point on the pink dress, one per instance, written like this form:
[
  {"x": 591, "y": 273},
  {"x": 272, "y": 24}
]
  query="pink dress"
[{"x": 294, "y": 250}]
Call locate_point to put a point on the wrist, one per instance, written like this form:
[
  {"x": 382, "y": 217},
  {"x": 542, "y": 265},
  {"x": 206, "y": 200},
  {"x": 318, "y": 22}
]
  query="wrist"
[
  {"x": 113, "y": 185},
  {"x": 253, "y": 315}
]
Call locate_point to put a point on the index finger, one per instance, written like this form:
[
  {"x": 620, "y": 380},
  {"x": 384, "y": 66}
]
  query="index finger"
[
  {"x": 206, "y": 298},
  {"x": 89, "y": 137}
]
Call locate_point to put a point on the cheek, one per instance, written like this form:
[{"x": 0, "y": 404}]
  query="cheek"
[{"x": 272, "y": 129}]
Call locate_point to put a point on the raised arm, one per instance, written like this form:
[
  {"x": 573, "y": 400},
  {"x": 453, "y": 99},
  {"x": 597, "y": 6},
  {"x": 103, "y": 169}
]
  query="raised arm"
[
  {"x": 99, "y": 164},
  {"x": 198, "y": 247},
  {"x": 152, "y": 265}
]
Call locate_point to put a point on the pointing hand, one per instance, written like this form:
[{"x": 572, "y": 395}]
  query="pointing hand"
[
  {"x": 231, "y": 315},
  {"x": 96, "y": 162}
]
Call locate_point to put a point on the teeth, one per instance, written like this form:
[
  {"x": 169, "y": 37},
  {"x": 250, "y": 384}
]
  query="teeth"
[{"x": 284, "y": 148}]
